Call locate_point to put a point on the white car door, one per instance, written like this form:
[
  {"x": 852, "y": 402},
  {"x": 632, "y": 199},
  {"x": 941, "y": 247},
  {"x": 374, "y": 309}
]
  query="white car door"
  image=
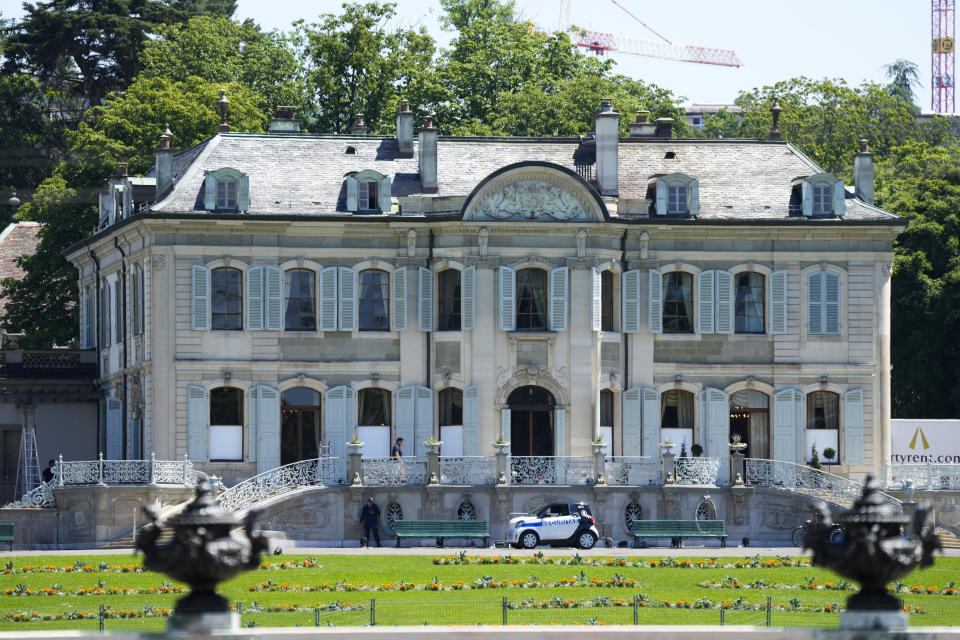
[{"x": 558, "y": 524}]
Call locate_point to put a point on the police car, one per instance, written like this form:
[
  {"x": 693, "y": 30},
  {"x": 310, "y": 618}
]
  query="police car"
[{"x": 558, "y": 523}]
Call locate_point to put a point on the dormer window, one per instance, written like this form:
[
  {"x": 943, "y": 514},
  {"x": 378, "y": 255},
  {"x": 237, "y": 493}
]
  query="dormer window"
[
  {"x": 226, "y": 190},
  {"x": 368, "y": 192},
  {"x": 822, "y": 195},
  {"x": 676, "y": 194}
]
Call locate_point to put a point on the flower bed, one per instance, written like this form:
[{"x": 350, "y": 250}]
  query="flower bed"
[{"x": 755, "y": 562}]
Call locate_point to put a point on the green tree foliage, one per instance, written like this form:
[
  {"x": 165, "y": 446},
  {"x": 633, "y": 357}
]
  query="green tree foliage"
[
  {"x": 224, "y": 8},
  {"x": 904, "y": 76}
]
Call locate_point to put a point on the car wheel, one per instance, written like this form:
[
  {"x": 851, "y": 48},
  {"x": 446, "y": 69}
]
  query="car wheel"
[
  {"x": 586, "y": 540},
  {"x": 529, "y": 539}
]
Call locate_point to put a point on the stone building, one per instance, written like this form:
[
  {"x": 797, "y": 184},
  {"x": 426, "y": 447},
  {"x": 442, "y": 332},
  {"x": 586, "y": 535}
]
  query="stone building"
[{"x": 260, "y": 299}]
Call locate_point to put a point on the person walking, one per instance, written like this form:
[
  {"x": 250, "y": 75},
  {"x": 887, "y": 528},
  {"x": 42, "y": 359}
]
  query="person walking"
[
  {"x": 397, "y": 451},
  {"x": 370, "y": 519},
  {"x": 47, "y": 474}
]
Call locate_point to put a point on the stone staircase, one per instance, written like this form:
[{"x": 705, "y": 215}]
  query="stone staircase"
[
  {"x": 948, "y": 539},
  {"x": 125, "y": 542}
]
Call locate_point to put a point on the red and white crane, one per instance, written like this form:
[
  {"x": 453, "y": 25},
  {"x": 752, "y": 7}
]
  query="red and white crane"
[
  {"x": 942, "y": 57},
  {"x": 600, "y": 43}
]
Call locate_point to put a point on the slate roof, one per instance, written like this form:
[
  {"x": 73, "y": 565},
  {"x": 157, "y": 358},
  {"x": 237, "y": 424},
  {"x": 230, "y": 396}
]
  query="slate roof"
[
  {"x": 18, "y": 239},
  {"x": 302, "y": 174}
]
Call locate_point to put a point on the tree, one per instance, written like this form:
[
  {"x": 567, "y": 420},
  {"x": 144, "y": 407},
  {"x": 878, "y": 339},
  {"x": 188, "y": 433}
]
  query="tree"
[
  {"x": 904, "y": 76},
  {"x": 721, "y": 124}
]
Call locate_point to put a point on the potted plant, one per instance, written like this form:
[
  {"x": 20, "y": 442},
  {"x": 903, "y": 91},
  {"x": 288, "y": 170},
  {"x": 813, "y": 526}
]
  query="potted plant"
[
  {"x": 696, "y": 449},
  {"x": 683, "y": 448},
  {"x": 500, "y": 444},
  {"x": 598, "y": 444},
  {"x": 736, "y": 443},
  {"x": 829, "y": 454},
  {"x": 667, "y": 446},
  {"x": 355, "y": 445},
  {"x": 814, "y": 458},
  {"x": 432, "y": 445}
]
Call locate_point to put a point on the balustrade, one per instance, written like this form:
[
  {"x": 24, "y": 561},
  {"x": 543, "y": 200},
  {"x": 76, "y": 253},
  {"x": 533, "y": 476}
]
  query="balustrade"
[
  {"x": 393, "y": 472},
  {"x": 550, "y": 470},
  {"x": 633, "y": 470},
  {"x": 474, "y": 470},
  {"x": 924, "y": 476},
  {"x": 283, "y": 480},
  {"x": 802, "y": 479},
  {"x": 698, "y": 470}
]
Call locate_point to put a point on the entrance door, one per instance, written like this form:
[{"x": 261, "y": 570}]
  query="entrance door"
[
  {"x": 531, "y": 422},
  {"x": 749, "y": 419},
  {"x": 300, "y": 429}
]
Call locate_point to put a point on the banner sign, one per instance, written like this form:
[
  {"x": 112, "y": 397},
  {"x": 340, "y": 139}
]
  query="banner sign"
[{"x": 922, "y": 441}]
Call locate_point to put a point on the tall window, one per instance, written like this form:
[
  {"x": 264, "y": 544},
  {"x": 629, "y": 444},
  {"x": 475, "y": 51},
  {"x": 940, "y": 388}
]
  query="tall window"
[
  {"x": 531, "y": 300},
  {"x": 749, "y": 309},
  {"x": 226, "y": 194},
  {"x": 300, "y": 313},
  {"x": 367, "y": 196},
  {"x": 823, "y": 299},
  {"x": 118, "y": 311},
  {"x": 373, "y": 300},
  {"x": 226, "y": 299},
  {"x": 822, "y": 200},
  {"x": 823, "y": 426},
  {"x": 606, "y": 301},
  {"x": 448, "y": 300},
  {"x": 451, "y": 407},
  {"x": 373, "y": 408},
  {"x": 606, "y": 408},
  {"x": 676, "y": 409},
  {"x": 105, "y": 315},
  {"x": 138, "y": 300},
  {"x": 226, "y": 423},
  {"x": 300, "y": 426},
  {"x": 677, "y": 199},
  {"x": 677, "y": 302}
]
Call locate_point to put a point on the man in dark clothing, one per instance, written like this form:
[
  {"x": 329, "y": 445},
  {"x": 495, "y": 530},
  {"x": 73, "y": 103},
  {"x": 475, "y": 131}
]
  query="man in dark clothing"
[
  {"x": 370, "y": 517},
  {"x": 47, "y": 474},
  {"x": 397, "y": 451}
]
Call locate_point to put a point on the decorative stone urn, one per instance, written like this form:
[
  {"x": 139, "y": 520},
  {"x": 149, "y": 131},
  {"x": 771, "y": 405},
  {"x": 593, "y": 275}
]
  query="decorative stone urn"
[
  {"x": 206, "y": 548},
  {"x": 433, "y": 446},
  {"x": 879, "y": 545}
]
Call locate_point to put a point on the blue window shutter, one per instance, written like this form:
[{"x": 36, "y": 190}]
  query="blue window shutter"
[
  {"x": 778, "y": 302},
  {"x": 651, "y": 421},
  {"x": 425, "y": 299},
  {"x": 328, "y": 299},
  {"x": 467, "y": 306},
  {"x": 806, "y": 192},
  {"x": 197, "y": 413},
  {"x": 268, "y": 433},
  {"x": 255, "y": 298},
  {"x": 407, "y": 416},
  {"x": 199, "y": 298},
  {"x": 839, "y": 199},
  {"x": 423, "y": 419},
  {"x": 715, "y": 422},
  {"x": 723, "y": 283},
  {"x": 351, "y": 193},
  {"x": 831, "y": 303},
  {"x": 347, "y": 289},
  {"x": 815, "y": 302},
  {"x": 273, "y": 297},
  {"x": 114, "y": 429},
  {"x": 706, "y": 282},
  {"x": 787, "y": 430},
  {"x": 661, "y": 203},
  {"x": 471, "y": 422},
  {"x": 559, "y": 285},
  {"x": 386, "y": 204},
  {"x": 507, "y": 291},
  {"x": 693, "y": 197},
  {"x": 253, "y": 424},
  {"x": 853, "y": 427},
  {"x": 596, "y": 306},
  {"x": 210, "y": 192},
  {"x": 630, "y": 301},
  {"x": 243, "y": 193},
  {"x": 398, "y": 281},
  {"x": 339, "y": 426},
  {"x": 655, "y": 303},
  {"x": 632, "y": 431}
]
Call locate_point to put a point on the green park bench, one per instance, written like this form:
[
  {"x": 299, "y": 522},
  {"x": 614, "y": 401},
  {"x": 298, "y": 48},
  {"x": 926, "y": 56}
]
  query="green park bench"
[
  {"x": 441, "y": 529},
  {"x": 677, "y": 530},
  {"x": 6, "y": 533}
]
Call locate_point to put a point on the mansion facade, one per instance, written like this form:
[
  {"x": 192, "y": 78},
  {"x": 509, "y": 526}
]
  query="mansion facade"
[{"x": 261, "y": 299}]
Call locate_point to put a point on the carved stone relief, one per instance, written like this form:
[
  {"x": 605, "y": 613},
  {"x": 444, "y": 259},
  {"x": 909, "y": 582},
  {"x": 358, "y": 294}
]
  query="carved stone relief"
[{"x": 532, "y": 199}]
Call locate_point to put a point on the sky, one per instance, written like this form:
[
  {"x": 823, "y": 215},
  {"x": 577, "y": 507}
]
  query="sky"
[{"x": 848, "y": 39}]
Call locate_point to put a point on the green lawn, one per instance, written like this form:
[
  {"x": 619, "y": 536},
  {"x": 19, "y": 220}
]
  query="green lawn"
[{"x": 556, "y": 588}]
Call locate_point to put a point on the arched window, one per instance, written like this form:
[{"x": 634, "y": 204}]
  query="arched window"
[
  {"x": 448, "y": 300},
  {"x": 676, "y": 418},
  {"x": 226, "y": 423},
  {"x": 299, "y": 287},
  {"x": 226, "y": 299},
  {"x": 373, "y": 407},
  {"x": 677, "y": 302},
  {"x": 373, "y": 301},
  {"x": 531, "y": 300},
  {"x": 300, "y": 425},
  {"x": 823, "y": 424},
  {"x": 748, "y": 314}
]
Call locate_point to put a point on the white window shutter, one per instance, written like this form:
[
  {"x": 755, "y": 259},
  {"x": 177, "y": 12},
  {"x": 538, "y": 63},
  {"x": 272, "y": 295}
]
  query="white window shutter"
[
  {"x": 655, "y": 302},
  {"x": 715, "y": 422},
  {"x": 505, "y": 423},
  {"x": 559, "y": 285},
  {"x": 273, "y": 298},
  {"x": 853, "y": 426},
  {"x": 839, "y": 199},
  {"x": 210, "y": 192},
  {"x": 693, "y": 197},
  {"x": 632, "y": 432},
  {"x": 508, "y": 285},
  {"x": 559, "y": 431},
  {"x": 268, "y": 434},
  {"x": 347, "y": 288},
  {"x": 630, "y": 301},
  {"x": 423, "y": 420},
  {"x": 199, "y": 298},
  {"x": 651, "y": 421},
  {"x": 661, "y": 203},
  {"x": 328, "y": 298},
  {"x": 471, "y": 422},
  {"x": 406, "y": 416},
  {"x": 351, "y": 193},
  {"x": 425, "y": 299},
  {"x": 398, "y": 282},
  {"x": 778, "y": 302},
  {"x": 243, "y": 193},
  {"x": 831, "y": 303},
  {"x": 815, "y": 302},
  {"x": 787, "y": 431},
  {"x": 723, "y": 282},
  {"x": 705, "y": 301},
  {"x": 806, "y": 193},
  {"x": 386, "y": 203},
  {"x": 340, "y": 414},
  {"x": 197, "y": 423},
  {"x": 596, "y": 308},
  {"x": 255, "y": 298},
  {"x": 253, "y": 424},
  {"x": 468, "y": 279},
  {"x": 114, "y": 429}
]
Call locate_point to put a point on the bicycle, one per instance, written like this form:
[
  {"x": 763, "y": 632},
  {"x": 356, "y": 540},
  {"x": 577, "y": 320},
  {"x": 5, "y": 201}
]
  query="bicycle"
[{"x": 800, "y": 533}]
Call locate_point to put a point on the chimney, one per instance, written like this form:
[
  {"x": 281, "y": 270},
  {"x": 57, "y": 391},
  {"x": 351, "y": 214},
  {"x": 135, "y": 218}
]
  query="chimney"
[
  {"x": 863, "y": 173},
  {"x": 359, "y": 128},
  {"x": 122, "y": 169},
  {"x": 405, "y": 130},
  {"x": 427, "y": 161},
  {"x": 285, "y": 120},
  {"x": 664, "y": 127},
  {"x": 642, "y": 127},
  {"x": 224, "y": 103},
  {"x": 164, "y": 163},
  {"x": 775, "y": 110},
  {"x": 608, "y": 142}
]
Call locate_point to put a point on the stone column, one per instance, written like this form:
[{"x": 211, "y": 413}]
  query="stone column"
[
  {"x": 433, "y": 467},
  {"x": 668, "y": 464},
  {"x": 503, "y": 472},
  {"x": 883, "y": 363},
  {"x": 599, "y": 466},
  {"x": 355, "y": 468},
  {"x": 736, "y": 468}
]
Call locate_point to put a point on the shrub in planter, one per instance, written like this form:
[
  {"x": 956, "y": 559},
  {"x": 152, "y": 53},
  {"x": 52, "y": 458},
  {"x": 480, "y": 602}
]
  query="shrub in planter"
[
  {"x": 696, "y": 450},
  {"x": 830, "y": 453}
]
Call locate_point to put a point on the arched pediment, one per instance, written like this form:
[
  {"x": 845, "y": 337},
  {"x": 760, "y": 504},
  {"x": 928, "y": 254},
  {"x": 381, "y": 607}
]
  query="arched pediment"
[{"x": 534, "y": 191}]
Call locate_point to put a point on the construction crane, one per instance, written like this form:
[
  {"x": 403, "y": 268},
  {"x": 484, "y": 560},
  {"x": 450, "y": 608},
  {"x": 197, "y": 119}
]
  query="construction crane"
[
  {"x": 943, "y": 40},
  {"x": 600, "y": 43}
]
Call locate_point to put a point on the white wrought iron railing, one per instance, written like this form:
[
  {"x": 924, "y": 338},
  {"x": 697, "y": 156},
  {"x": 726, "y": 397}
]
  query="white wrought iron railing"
[
  {"x": 699, "y": 471},
  {"x": 394, "y": 472},
  {"x": 632, "y": 470},
  {"x": 551, "y": 470},
  {"x": 924, "y": 476},
  {"x": 283, "y": 480},
  {"x": 798, "y": 478},
  {"x": 40, "y": 497},
  {"x": 475, "y": 470}
]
